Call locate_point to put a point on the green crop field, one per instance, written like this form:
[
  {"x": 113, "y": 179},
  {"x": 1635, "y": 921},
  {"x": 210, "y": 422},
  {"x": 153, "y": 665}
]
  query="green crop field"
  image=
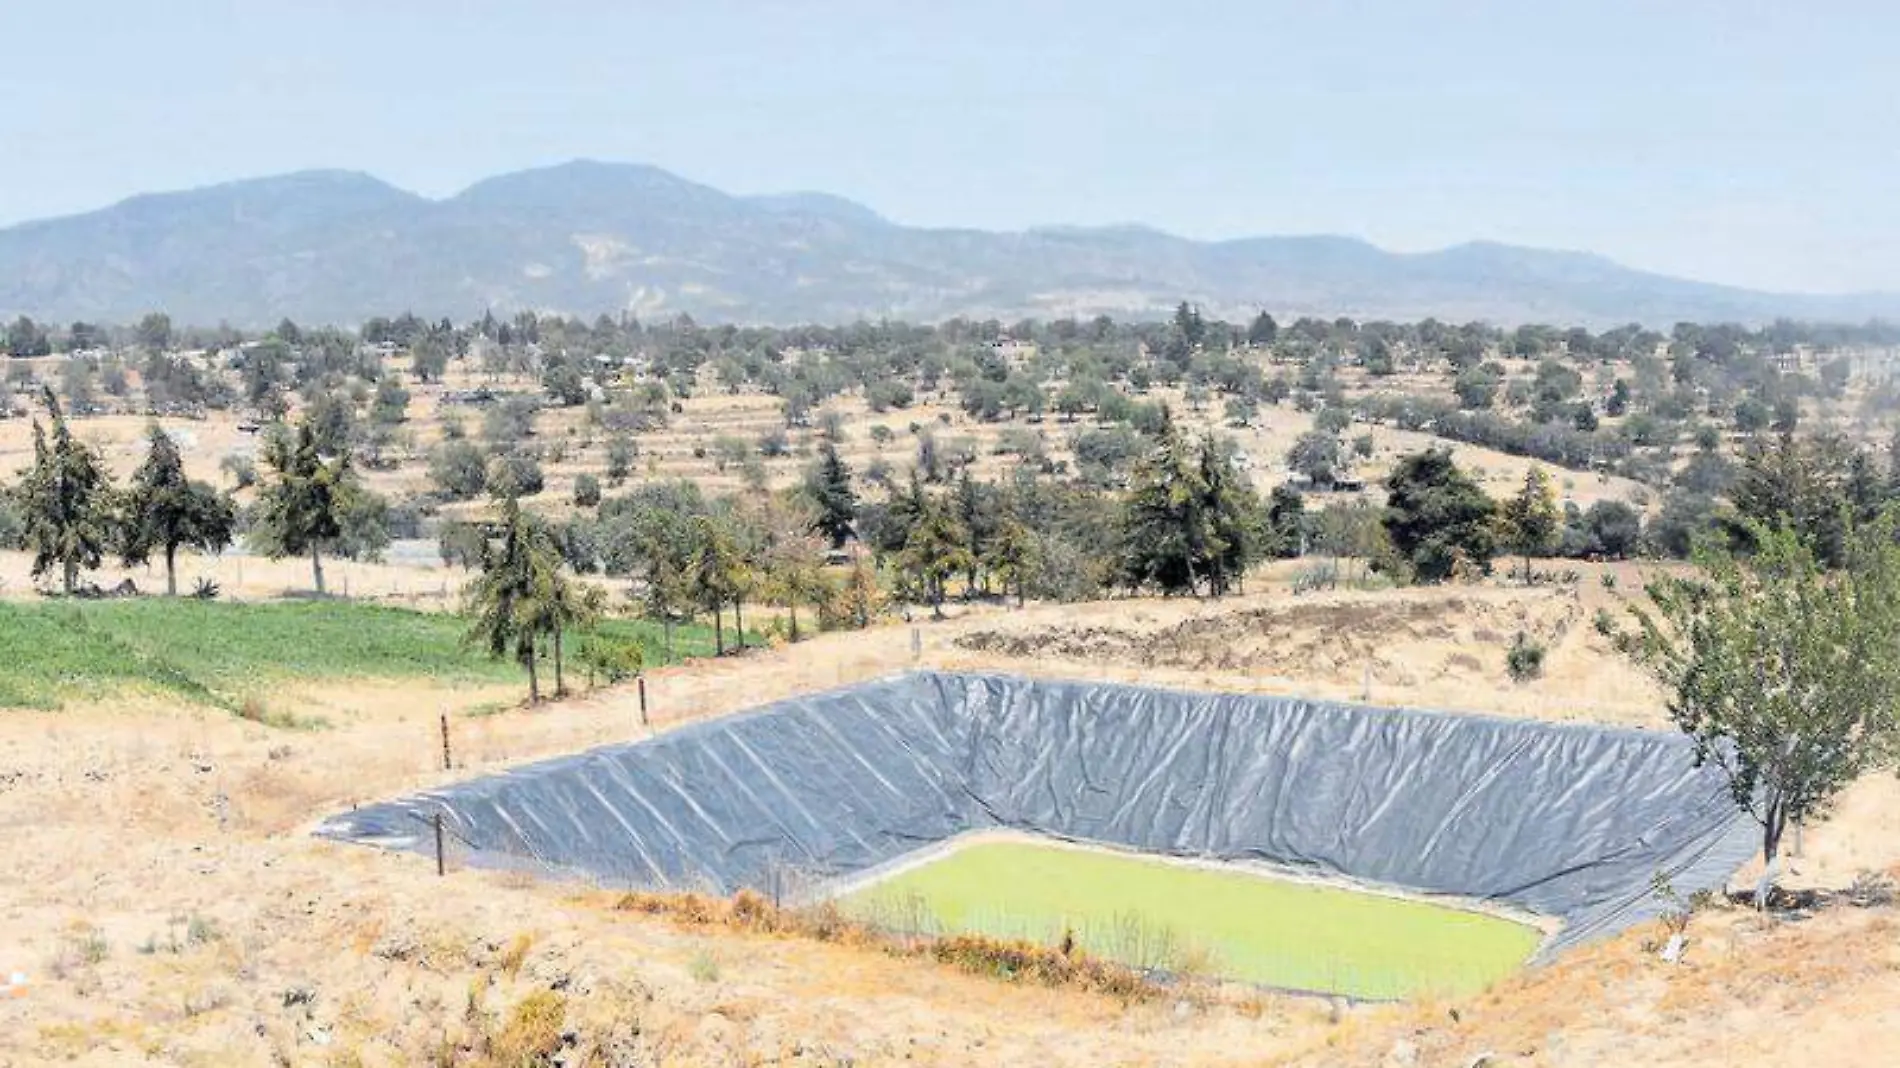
[
  {"x": 1234, "y": 924},
  {"x": 220, "y": 653}
]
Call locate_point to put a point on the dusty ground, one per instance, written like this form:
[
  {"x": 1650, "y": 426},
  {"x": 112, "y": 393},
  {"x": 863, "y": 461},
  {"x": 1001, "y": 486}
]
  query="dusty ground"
[{"x": 164, "y": 903}]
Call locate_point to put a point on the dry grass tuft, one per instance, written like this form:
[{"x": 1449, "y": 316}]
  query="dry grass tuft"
[
  {"x": 1012, "y": 961},
  {"x": 532, "y": 1035}
]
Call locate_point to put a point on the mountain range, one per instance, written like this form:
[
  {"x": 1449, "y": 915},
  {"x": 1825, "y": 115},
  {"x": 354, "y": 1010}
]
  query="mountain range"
[{"x": 588, "y": 237}]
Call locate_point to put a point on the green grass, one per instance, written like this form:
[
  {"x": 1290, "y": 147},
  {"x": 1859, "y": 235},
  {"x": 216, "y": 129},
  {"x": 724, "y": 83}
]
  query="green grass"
[
  {"x": 224, "y": 653},
  {"x": 1233, "y": 924}
]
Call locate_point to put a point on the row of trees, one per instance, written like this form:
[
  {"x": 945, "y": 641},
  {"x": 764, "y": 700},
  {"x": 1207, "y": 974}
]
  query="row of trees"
[{"x": 71, "y": 516}]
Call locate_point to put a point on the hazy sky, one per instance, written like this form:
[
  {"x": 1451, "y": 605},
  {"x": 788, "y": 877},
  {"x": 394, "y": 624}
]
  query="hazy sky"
[{"x": 1752, "y": 143}]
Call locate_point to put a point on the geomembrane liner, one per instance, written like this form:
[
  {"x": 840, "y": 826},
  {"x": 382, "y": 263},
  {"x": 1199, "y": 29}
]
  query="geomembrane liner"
[{"x": 1568, "y": 821}]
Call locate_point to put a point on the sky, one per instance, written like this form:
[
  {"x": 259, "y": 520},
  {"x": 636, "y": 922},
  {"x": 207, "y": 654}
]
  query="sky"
[{"x": 1750, "y": 143}]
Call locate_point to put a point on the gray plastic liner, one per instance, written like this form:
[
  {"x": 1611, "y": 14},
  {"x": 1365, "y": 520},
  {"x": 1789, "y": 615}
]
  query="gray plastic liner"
[{"x": 1566, "y": 821}]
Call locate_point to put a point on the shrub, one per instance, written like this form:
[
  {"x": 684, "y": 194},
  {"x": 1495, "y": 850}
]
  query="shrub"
[
  {"x": 1525, "y": 660},
  {"x": 586, "y": 491},
  {"x": 515, "y": 475}
]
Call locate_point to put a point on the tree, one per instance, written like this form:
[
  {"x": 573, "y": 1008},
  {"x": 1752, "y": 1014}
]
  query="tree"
[
  {"x": 1286, "y": 523},
  {"x": 1263, "y": 330},
  {"x": 66, "y": 501},
  {"x": 1782, "y": 673},
  {"x": 1164, "y": 527},
  {"x": 1013, "y": 556},
  {"x": 25, "y": 338},
  {"x": 1437, "y": 517},
  {"x": 1477, "y": 386},
  {"x": 934, "y": 551},
  {"x": 510, "y": 601},
  {"x": 1615, "y": 529},
  {"x": 459, "y": 470},
  {"x": 1316, "y": 454},
  {"x": 166, "y": 511},
  {"x": 1530, "y": 519},
  {"x": 718, "y": 575},
  {"x": 828, "y": 484},
  {"x": 303, "y": 508},
  {"x": 621, "y": 451},
  {"x": 154, "y": 332}
]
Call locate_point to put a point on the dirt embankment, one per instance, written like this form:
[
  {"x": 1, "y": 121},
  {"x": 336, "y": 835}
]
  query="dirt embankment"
[{"x": 164, "y": 905}]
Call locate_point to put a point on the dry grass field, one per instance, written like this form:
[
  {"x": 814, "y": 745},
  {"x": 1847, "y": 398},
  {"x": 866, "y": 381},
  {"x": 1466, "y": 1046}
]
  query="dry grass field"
[{"x": 163, "y": 900}]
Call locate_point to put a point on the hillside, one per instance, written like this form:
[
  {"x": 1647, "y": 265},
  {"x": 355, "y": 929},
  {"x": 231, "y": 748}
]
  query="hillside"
[{"x": 588, "y": 237}]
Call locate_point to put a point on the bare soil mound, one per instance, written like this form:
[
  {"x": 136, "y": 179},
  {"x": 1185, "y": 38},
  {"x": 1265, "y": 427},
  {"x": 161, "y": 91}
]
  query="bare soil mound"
[{"x": 1405, "y": 640}]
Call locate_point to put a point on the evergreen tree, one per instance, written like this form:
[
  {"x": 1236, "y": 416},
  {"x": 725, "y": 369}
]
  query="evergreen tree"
[
  {"x": 65, "y": 500},
  {"x": 1438, "y": 517},
  {"x": 1013, "y": 556},
  {"x": 1234, "y": 534},
  {"x": 165, "y": 511},
  {"x": 1530, "y": 519},
  {"x": 1286, "y": 522},
  {"x": 305, "y": 507},
  {"x": 1166, "y": 533},
  {"x": 936, "y": 549},
  {"x": 829, "y": 486},
  {"x": 511, "y": 601}
]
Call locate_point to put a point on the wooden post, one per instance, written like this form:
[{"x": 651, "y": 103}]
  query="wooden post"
[
  {"x": 916, "y": 643},
  {"x": 643, "y": 699},
  {"x": 448, "y": 762},
  {"x": 441, "y": 867}
]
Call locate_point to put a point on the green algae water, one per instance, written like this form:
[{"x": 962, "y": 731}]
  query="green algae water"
[{"x": 1230, "y": 923}]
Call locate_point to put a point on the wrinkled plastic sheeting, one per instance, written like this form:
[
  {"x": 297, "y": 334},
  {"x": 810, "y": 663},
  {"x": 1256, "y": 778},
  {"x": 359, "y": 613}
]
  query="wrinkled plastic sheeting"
[{"x": 1568, "y": 821}]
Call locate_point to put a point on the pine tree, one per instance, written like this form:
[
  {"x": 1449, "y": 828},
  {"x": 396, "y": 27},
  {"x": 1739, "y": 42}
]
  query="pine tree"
[
  {"x": 829, "y": 486},
  {"x": 66, "y": 501},
  {"x": 512, "y": 600},
  {"x": 1231, "y": 511},
  {"x": 1530, "y": 519},
  {"x": 165, "y": 511},
  {"x": 302, "y": 510},
  {"x": 1165, "y": 532},
  {"x": 936, "y": 549}
]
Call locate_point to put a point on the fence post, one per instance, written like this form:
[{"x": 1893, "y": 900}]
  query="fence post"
[
  {"x": 448, "y": 763},
  {"x": 643, "y": 699},
  {"x": 916, "y": 643},
  {"x": 441, "y": 867}
]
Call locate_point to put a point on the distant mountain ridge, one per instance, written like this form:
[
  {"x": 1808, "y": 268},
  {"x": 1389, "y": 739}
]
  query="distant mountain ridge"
[{"x": 589, "y": 237}]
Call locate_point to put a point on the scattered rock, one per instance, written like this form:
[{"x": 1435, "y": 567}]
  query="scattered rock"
[{"x": 395, "y": 946}]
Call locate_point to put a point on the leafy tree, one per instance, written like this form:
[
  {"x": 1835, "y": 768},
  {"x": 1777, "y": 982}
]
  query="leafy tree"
[
  {"x": 391, "y": 406},
  {"x": 1782, "y": 672},
  {"x": 1530, "y": 518},
  {"x": 154, "y": 332},
  {"x": 166, "y": 511},
  {"x": 1318, "y": 456},
  {"x": 1437, "y": 517},
  {"x": 303, "y": 508},
  {"x": 459, "y": 470},
  {"x": 621, "y": 451},
  {"x": 828, "y": 484},
  {"x": 718, "y": 575},
  {"x": 1614, "y": 529},
  {"x": 66, "y": 501},
  {"x": 25, "y": 338}
]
